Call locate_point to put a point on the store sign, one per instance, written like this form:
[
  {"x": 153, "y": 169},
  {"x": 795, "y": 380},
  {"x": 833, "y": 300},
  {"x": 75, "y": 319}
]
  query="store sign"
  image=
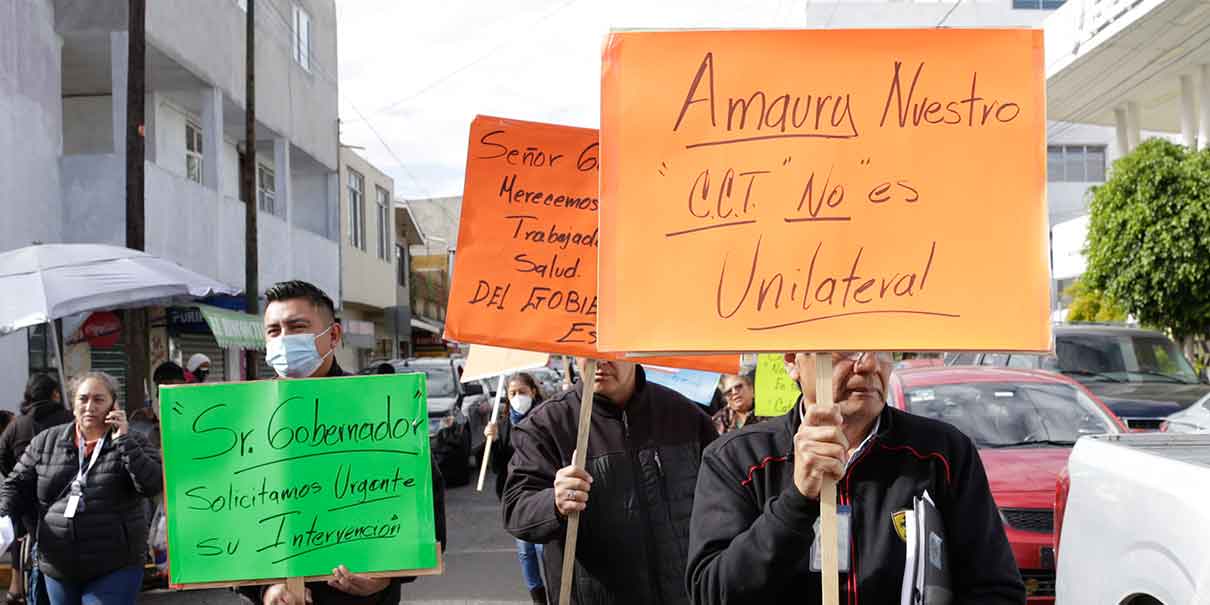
[{"x": 102, "y": 330}]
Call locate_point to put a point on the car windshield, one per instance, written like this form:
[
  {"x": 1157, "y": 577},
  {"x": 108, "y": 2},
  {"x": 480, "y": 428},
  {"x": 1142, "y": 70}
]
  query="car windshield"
[
  {"x": 1126, "y": 358},
  {"x": 1000, "y": 414},
  {"x": 440, "y": 381}
]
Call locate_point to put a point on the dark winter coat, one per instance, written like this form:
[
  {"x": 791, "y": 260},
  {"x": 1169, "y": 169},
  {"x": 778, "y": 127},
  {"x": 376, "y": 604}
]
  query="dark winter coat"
[
  {"x": 322, "y": 594},
  {"x": 502, "y": 451},
  {"x": 34, "y": 419},
  {"x": 753, "y": 530},
  {"x": 40, "y": 416},
  {"x": 109, "y": 531},
  {"x": 643, "y": 459}
]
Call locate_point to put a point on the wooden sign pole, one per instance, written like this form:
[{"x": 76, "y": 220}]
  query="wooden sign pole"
[
  {"x": 827, "y": 495},
  {"x": 487, "y": 445},
  {"x": 578, "y": 461},
  {"x": 297, "y": 587}
]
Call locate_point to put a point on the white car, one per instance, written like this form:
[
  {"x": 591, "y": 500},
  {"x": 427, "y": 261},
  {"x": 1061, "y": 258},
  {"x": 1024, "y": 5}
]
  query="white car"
[
  {"x": 1193, "y": 419},
  {"x": 1132, "y": 521}
]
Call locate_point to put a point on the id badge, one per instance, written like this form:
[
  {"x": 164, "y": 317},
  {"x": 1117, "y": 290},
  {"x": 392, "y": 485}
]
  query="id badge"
[
  {"x": 843, "y": 538},
  {"x": 73, "y": 501}
]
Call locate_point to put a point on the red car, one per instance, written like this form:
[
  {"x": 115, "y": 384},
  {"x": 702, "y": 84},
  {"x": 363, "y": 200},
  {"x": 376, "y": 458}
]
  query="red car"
[{"x": 1024, "y": 423}]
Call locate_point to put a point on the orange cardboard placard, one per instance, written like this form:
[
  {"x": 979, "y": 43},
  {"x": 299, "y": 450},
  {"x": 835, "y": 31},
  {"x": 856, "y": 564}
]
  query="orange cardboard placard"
[
  {"x": 824, "y": 190},
  {"x": 525, "y": 271}
]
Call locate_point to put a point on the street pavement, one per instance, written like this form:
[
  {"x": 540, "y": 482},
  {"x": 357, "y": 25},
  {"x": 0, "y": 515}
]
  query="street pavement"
[{"x": 480, "y": 565}]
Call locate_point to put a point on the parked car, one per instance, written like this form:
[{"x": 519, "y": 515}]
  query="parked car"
[
  {"x": 1024, "y": 423},
  {"x": 549, "y": 380},
  {"x": 1131, "y": 518},
  {"x": 1140, "y": 374},
  {"x": 449, "y": 433},
  {"x": 1193, "y": 419}
]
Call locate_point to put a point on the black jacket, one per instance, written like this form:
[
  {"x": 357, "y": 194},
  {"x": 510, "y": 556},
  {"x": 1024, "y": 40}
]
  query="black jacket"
[
  {"x": 502, "y": 451},
  {"x": 322, "y": 594},
  {"x": 644, "y": 459},
  {"x": 40, "y": 416},
  {"x": 752, "y": 529},
  {"x": 109, "y": 532}
]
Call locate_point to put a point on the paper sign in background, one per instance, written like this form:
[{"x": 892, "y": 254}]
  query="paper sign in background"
[
  {"x": 695, "y": 385},
  {"x": 283, "y": 478},
  {"x": 823, "y": 190},
  {"x": 776, "y": 393},
  {"x": 525, "y": 276}
]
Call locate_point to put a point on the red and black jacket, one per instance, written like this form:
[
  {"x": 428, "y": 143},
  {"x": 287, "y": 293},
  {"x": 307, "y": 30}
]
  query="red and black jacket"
[{"x": 751, "y": 534}]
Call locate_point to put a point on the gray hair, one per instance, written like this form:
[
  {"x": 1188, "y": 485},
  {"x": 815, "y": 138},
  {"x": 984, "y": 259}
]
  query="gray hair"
[{"x": 111, "y": 384}]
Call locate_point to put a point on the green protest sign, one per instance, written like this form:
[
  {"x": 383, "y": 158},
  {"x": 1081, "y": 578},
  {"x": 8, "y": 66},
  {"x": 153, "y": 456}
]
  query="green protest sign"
[
  {"x": 287, "y": 478},
  {"x": 775, "y": 392}
]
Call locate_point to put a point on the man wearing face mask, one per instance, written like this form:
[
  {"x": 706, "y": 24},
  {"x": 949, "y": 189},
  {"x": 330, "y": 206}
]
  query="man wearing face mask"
[
  {"x": 634, "y": 496},
  {"x": 302, "y": 334},
  {"x": 755, "y": 519}
]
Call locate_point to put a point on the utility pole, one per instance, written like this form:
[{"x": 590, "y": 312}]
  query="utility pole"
[
  {"x": 248, "y": 183},
  {"x": 135, "y": 324}
]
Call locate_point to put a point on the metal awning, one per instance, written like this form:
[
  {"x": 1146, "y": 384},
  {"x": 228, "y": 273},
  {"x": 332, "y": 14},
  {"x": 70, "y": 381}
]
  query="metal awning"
[
  {"x": 427, "y": 326},
  {"x": 234, "y": 329}
]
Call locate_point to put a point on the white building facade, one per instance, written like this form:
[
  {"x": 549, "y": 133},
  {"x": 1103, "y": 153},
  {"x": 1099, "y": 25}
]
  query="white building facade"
[{"x": 63, "y": 69}]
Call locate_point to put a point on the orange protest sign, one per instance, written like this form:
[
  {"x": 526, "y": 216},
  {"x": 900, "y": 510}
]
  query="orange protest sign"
[
  {"x": 525, "y": 272},
  {"x": 824, "y": 190}
]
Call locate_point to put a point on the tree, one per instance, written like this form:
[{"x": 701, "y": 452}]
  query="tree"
[
  {"x": 1149, "y": 237},
  {"x": 1090, "y": 305}
]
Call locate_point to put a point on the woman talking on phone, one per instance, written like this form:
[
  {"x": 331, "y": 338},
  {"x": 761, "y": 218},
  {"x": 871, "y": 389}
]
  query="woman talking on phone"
[{"x": 86, "y": 482}]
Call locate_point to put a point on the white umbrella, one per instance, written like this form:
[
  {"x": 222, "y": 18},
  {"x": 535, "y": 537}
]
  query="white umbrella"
[{"x": 39, "y": 284}]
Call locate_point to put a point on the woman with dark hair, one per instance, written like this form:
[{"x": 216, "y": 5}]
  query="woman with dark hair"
[
  {"x": 41, "y": 408},
  {"x": 84, "y": 483},
  {"x": 523, "y": 395}
]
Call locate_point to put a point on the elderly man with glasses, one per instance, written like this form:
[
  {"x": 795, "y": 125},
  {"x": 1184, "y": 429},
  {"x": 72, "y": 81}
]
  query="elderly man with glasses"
[{"x": 756, "y": 511}]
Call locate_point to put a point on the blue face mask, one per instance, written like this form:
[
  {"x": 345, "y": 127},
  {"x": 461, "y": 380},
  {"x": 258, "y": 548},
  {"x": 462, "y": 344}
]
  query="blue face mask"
[{"x": 295, "y": 355}]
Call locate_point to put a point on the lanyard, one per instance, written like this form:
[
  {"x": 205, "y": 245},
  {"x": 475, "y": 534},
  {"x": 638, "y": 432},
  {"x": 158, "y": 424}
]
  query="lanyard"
[{"x": 96, "y": 453}]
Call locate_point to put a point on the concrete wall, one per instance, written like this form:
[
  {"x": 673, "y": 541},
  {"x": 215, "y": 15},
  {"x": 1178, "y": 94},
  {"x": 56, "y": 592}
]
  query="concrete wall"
[
  {"x": 31, "y": 137},
  {"x": 367, "y": 279},
  {"x": 31, "y": 125},
  {"x": 301, "y": 105},
  {"x": 88, "y": 125}
]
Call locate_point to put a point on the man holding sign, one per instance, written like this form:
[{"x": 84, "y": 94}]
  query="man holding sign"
[
  {"x": 754, "y": 534},
  {"x": 302, "y": 334},
  {"x": 634, "y": 495}
]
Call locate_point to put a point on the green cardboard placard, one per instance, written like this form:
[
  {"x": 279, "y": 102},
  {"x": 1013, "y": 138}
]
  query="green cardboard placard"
[
  {"x": 775, "y": 392},
  {"x": 287, "y": 478}
]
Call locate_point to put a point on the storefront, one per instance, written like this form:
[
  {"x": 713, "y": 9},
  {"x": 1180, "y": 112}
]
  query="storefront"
[{"x": 220, "y": 334}]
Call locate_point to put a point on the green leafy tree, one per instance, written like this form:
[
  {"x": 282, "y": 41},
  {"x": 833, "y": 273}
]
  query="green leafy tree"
[
  {"x": 1149, "y": 237},
  {"x": 1090, "y": 305}
]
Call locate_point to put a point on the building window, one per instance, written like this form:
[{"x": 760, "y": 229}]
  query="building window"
[
  {"x": 41, "y": 350},
  {"x": 357, "y": 210},
  {"x": 193, "y": 152},
  {"x": 1075, "y": 163},
  {"x": 1037, "y": 4},
  {"x": 302, "y": 37},
  {"x": 266, "y": 189},
  {"x": 384, "y": 223}
]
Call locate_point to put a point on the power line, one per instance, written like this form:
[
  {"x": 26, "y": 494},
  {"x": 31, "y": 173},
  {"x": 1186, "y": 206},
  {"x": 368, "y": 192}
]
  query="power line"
[
  {"x": 487, "y": 55},
  {"x": 402, "y": 165},
  {"x": 951, "y": 11}
]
